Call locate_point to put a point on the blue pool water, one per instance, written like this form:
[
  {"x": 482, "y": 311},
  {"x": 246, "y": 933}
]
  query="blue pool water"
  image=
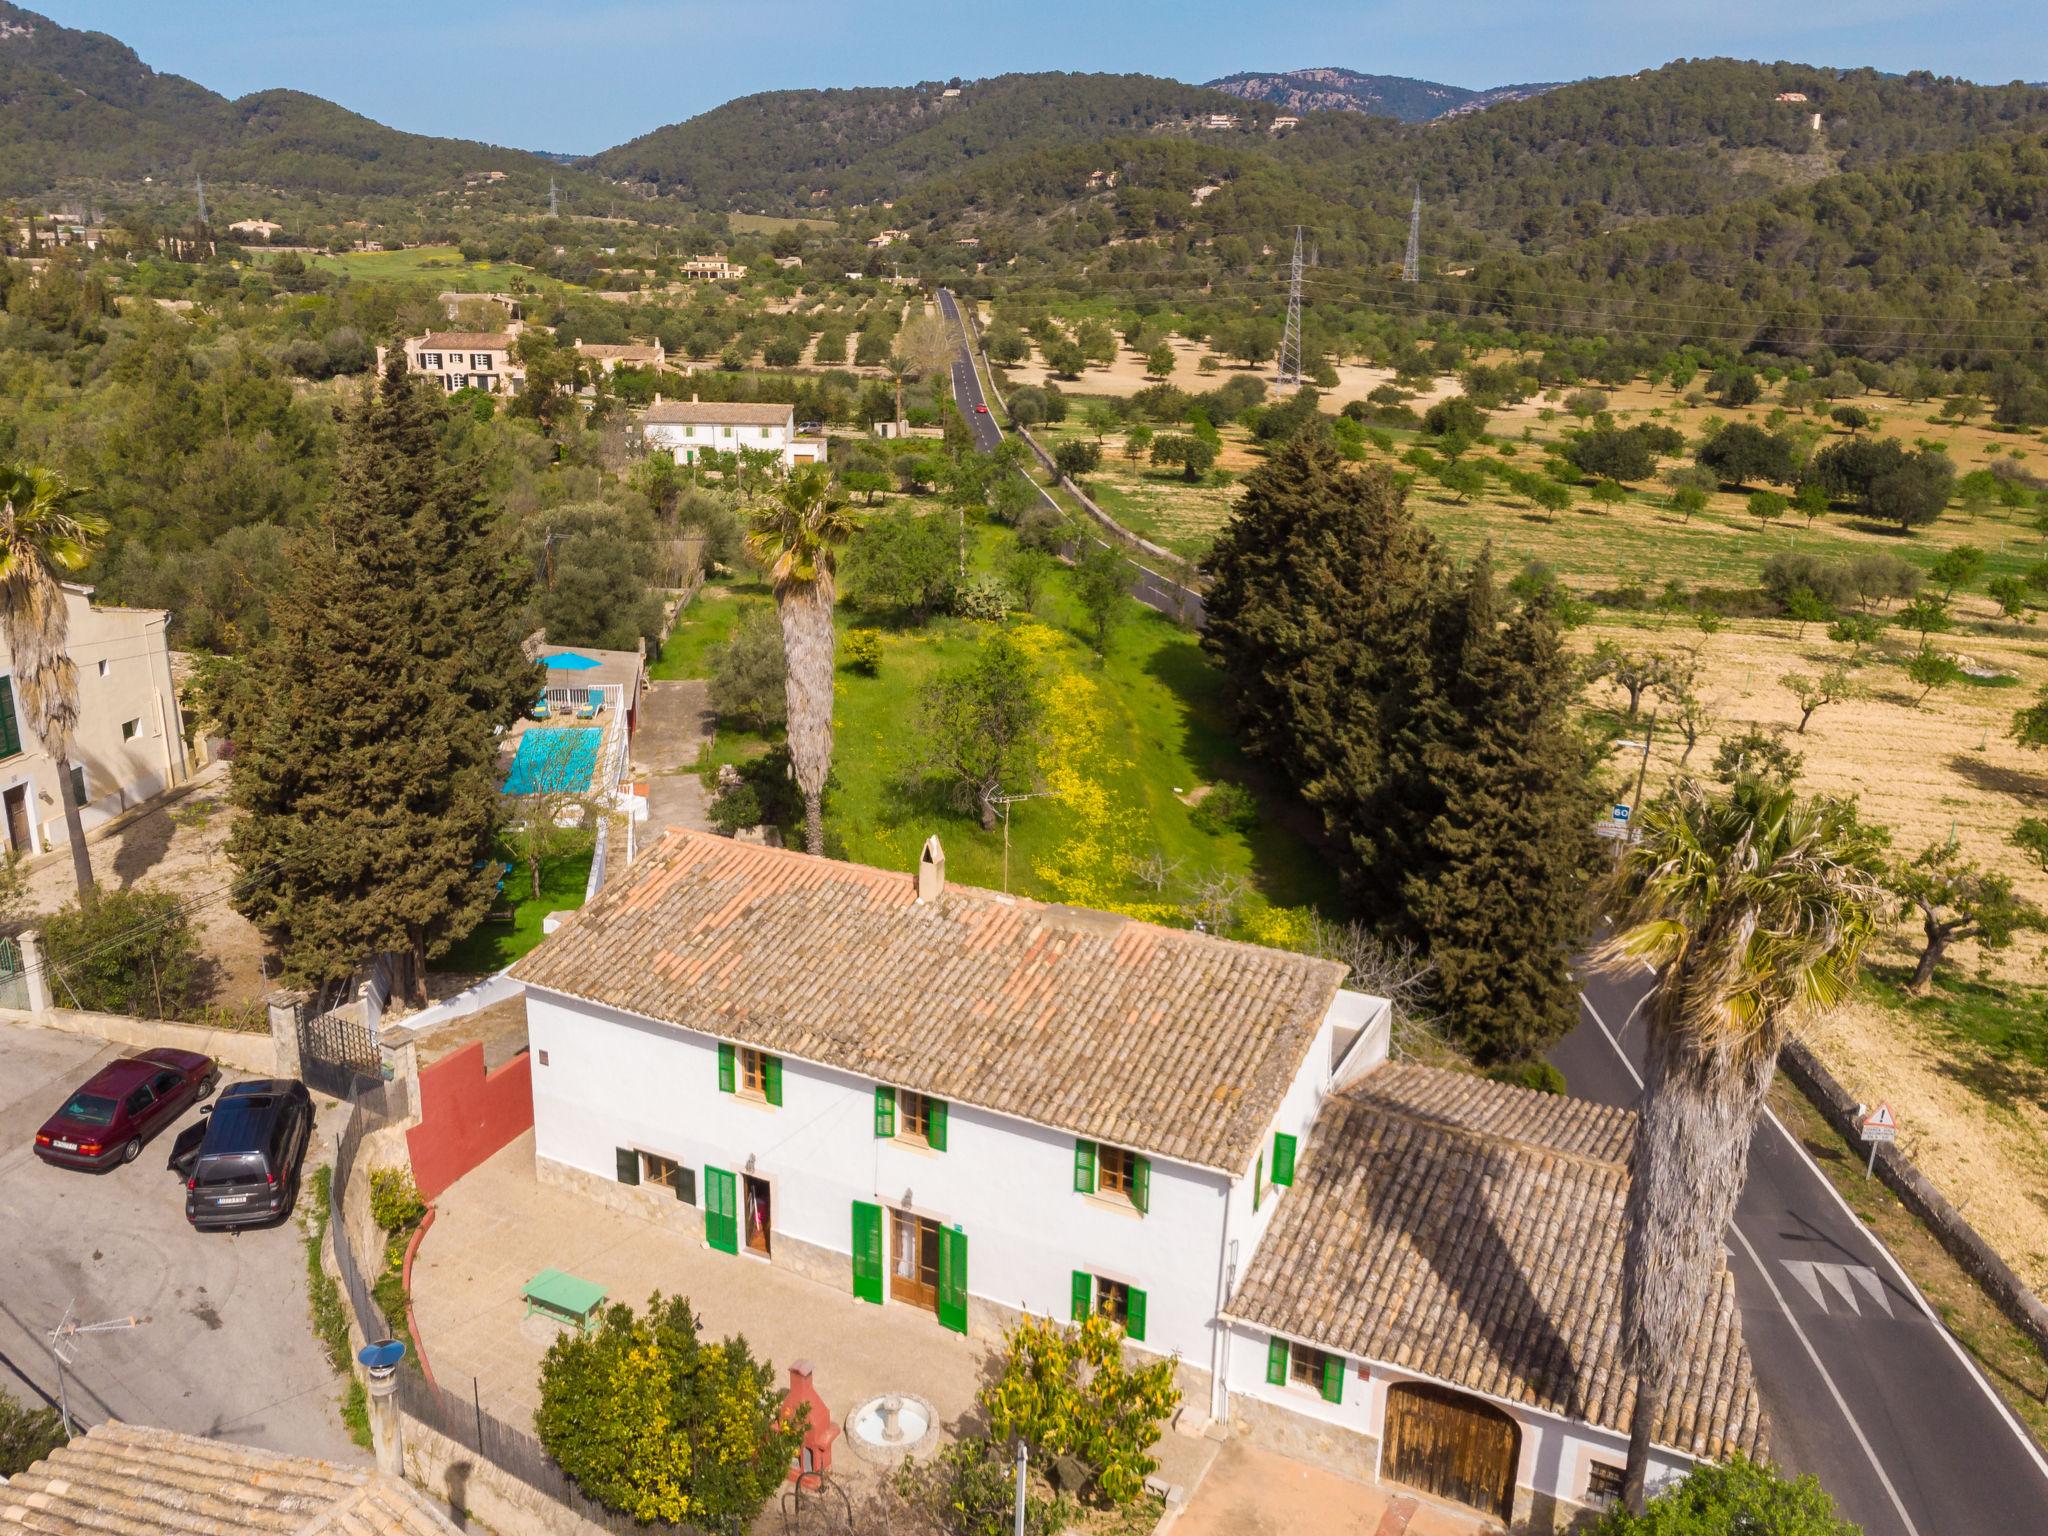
[{"x": 556, "y": 761}]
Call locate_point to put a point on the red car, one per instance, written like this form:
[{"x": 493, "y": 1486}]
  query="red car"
[
  {"x": 981, "y": 410},
  {"x": 128, "y": 1101}
]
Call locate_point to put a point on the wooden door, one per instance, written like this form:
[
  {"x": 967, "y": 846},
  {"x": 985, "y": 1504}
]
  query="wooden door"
[
  {"x": 914, "y": 1261},
  {"x": 17, "y": 820},
  {"x": 759, "y": 1220},
  {"x": 1451, "y": 1445}
]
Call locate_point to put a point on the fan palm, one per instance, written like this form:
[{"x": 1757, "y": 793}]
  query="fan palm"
[
  {"x": 794, "y": 532},
  {"x": 43, "y": 537},
  {"x": 1752, "y": 910}
]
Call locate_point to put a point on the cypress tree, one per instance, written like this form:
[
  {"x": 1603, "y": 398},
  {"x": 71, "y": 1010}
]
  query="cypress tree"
[
  {"x": 365, "y": 766},
  {"x": 1498, "y": 811}
]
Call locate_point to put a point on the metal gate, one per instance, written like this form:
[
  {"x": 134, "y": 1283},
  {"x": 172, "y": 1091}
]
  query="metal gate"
[
  {"x": 1452, "y": 1445},
  {"x": 338, "y": 1055},
  {"x": 13, "y": 976}
]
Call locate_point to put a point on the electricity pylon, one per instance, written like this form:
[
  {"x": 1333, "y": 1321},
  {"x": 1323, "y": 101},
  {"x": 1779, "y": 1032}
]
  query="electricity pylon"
[
  {"x": 1411, "y": 265},
  {"x": 1290, "y": 338}
]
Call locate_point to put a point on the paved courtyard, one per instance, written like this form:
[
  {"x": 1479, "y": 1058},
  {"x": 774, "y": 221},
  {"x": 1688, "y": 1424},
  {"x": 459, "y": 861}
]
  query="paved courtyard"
[
  {"x": 498, "y": 1227},
  {"x": 675, "y": 723},
  {"x": 1250, "y": 1492}
]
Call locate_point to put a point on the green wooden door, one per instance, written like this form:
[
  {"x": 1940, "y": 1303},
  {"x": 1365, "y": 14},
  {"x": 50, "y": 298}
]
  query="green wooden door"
[
  {"x": 721, "y": 1211},
  {"x": 867, "y": 1252},
  {"x": 953, "y": 1279}
]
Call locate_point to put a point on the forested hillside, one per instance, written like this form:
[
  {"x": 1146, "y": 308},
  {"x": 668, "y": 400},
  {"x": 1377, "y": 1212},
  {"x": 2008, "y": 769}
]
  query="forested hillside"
[
  {"x": 81, "y": 107},
  {"x": 1346, "y": 90},
  {"x": 801, "y": 148}
]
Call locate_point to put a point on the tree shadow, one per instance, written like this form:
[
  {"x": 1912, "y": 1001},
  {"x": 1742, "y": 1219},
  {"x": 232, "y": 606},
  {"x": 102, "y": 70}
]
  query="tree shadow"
[
  {"x": 1997, "y": 778},
  {"x": 141, "y": 845}
]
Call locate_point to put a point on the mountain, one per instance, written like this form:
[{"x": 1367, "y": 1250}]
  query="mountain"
[
  {"x": 1301, "y": 91},
  {"x": 82, "y": 106},
  {"x": 815, "y": 148}
]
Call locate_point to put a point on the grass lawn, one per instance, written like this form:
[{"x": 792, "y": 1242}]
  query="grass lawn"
[
  {"x": 442, "y": 263},
  {"x": 704, "y": 626},
  {"x": 493, "y": 946}
]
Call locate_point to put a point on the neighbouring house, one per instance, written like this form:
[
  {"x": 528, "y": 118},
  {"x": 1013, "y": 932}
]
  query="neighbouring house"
[
  {"x": 129, "y": 744},
  {"x": 467, "y": 360},
  {"x": 633, "y": 354},
  {"x": 256, "y": 229},
  {"x": 1220, "y": 120},
  {"x": 979, "y": 1106},
  {"x": 686, "y": 428},
  {"x": 886, "y": 238},
  {"x": 786, "y": 262},
  {"x": 122, "y": 1478},
  {"x": 452, "y": 303},
  {"x": 573, "y": 670},
  {"x": 712, "y": 269},
  {"x": 1791, "y": 95},
  {"x": 1283, "y": 122}
]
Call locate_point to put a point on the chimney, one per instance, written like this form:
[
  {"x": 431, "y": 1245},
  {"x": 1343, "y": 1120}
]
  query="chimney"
[{"x": 931, "y": 870}]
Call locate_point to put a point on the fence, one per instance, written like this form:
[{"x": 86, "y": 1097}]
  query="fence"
[{"x": 461, "y": 1419}]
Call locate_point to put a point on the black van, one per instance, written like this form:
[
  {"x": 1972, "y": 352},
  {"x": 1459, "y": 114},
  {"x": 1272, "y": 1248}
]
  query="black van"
[{"x": 247, "y": 1170}]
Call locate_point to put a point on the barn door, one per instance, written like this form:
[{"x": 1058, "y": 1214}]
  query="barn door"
[{"x": 1452, "y": 1445}]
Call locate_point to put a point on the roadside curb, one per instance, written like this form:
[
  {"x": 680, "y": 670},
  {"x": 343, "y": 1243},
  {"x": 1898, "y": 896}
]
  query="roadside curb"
[{"x": 1962, "y": 1241}]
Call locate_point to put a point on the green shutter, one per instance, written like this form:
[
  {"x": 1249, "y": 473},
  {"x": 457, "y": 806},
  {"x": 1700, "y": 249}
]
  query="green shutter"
[
  {"x": 1141, "y": 1183},
  {"x": 1134, "y": 1316},
  {"x": 10, "y": 728},
  {"x": 728, "y": 1071},
  {"x": 629, "y": 1166},
  {"x": 1084, "y": 1167},
  {"x": 721, "y": 1211},
  {"x": 771, "y": 1078},
  {"x": 935, "y": 1123},
  {"x": 1258, "y": 1176},
  {"x": 867, "y": 1252},
  {"x": 1276, "y": 1362},
  {"x": 1082, "y": 1295},
  {"x": 885, "y": 1111},
  {"x": 1283, "y": 1158},
  {"x": 1333, "y": 1378},
  {"x": 953, "y": 1279}
]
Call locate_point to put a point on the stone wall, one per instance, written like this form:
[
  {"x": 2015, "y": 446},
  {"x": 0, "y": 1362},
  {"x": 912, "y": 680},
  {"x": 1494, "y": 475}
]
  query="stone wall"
[
  {"x": 473, "y": 1487},
  {"x": 233, "y": 1049},
  {"x": 1274, "y": 1428}
]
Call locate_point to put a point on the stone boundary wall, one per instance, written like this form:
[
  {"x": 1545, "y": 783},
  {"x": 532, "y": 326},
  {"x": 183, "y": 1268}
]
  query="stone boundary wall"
[
  {"x": 1977, "y": 1257},
  {"x": 235, "y": 1049}
]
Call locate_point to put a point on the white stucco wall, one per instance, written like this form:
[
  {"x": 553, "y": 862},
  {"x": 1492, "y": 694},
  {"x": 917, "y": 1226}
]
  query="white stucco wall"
[
  {"x": 615, "y": 1081},
  {"x": 684, "y": 440}
]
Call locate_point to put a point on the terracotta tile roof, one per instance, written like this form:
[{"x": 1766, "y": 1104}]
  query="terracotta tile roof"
[
  {"x": 723, "y": 413},
  {"x": 118, "y": 1478},
  {"x": 618, "y": 352},
  {"x": 466, "y": 341},
  {"x": 1170, "y": 1042},
  {"x": 1471, "y": 1231}
]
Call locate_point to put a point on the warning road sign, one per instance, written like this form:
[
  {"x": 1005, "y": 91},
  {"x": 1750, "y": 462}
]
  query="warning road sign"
[{"x": 1879, "y": 1124}]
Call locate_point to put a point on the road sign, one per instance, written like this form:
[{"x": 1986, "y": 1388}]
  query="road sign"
[
  {"x": 1877, "y": 1125},
  {"x": 1621, "y": 813}
]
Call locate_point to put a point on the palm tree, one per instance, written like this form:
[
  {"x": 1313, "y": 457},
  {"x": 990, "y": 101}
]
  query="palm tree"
[
  {"x": 42, "y": 537},
  {"x": 1752, "y": 910},
  {"x": 794, "y": 532}
]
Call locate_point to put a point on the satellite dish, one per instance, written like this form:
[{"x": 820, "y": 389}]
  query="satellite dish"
[{"x": 383, "y": 1355}]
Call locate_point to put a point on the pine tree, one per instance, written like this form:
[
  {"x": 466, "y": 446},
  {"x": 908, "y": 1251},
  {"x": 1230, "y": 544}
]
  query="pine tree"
[
  {"x": 365, "y": 767},
  {"x": 1493, "y": 792}
]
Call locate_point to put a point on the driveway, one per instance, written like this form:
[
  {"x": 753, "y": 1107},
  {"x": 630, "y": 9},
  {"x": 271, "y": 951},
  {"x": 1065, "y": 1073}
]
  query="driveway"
[
  {"x": 675, "y": 723},
  {"x": 228, "y": 1350}
]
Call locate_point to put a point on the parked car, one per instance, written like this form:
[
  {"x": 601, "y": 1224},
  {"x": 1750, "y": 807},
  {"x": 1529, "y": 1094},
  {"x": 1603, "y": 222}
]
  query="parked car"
[
  {"x": 110, "y": 1117},
  {"x": 246, "y": 1172}
]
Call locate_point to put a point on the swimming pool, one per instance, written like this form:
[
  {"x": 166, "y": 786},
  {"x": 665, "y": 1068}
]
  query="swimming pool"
[{"x": 558, "y": 760}]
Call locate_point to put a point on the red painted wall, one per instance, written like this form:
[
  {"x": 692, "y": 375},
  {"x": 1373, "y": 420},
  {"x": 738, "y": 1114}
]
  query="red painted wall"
[{"x": 466, "y": 1115}]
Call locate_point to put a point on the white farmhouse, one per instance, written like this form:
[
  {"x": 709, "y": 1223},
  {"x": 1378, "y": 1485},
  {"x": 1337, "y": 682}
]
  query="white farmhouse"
[
  {"x": 686, "y": 428},
  {"x": 980, "y": 1106}
]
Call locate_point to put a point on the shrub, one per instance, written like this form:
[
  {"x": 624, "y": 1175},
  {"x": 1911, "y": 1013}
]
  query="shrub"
[
  {"x": 967, "y": 1489},
  {"x": 1077, "y": 457},
  {"x": 1227, "y": 807},
  {"x": 649, "y": 1420},
  {"x": 747, "y": 682},
  {"x": 27, "y": 1435},
  {"x": 395, "y": 1203},
  {"x": 1455, "y": 417},
  {"x": 129, "y": 952},
  {"x": 980, "y": 596},
  {"x": 1534, "y": 1073},
  {"x": 1067, "y": 1391},
  {"x": 863, "y": 651},
  {"x": 1737, "y": 1495},
  {"x": 737, "y": 807}
]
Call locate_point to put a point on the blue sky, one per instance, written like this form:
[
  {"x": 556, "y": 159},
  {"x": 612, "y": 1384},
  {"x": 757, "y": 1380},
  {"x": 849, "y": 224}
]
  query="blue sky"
[{"x": 578, "y": 75}]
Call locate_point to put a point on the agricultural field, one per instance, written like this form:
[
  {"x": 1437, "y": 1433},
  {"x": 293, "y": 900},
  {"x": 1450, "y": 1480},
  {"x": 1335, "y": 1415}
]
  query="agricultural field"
[{"x": 441, "y": 263}]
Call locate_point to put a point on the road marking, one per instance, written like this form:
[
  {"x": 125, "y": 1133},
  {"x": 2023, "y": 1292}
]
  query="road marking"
[
  {"x": 1839, "y": 1278},
  {"x": 1779, "y": 1297}
]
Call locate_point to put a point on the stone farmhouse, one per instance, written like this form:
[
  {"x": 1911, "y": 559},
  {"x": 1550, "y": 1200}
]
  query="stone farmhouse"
[
  {"x": 687, "y": 428},
  {"x": 467, "y": 360},
  {"x": 978, "y": 1106}
]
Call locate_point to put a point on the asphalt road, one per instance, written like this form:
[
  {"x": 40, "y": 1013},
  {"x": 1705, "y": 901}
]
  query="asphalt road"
[
  {"x": 228, "y": 1350},
  {"x": 967, "y": 383},
  {"x": 1865, "y": 1388}
]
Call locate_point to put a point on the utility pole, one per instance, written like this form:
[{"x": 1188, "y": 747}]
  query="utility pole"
[
  {"x": 1023, "y": 1461},
  {"x": 1628, "y": 831},
  {"x": 1411, "y": 264},
  {"x": 201, "y": 185},
  {"x": 554, "y": 206},
  {"x": 1006, "y": 801},
  {"x": 1290, "y": 338}
]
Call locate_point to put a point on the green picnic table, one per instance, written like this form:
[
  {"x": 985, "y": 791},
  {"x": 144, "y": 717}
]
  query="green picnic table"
[{"x": 563, "y": 1298}]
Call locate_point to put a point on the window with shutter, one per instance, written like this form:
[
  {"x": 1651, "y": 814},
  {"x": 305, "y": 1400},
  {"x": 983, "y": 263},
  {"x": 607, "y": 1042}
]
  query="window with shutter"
[
  {"x": 629, "y": 1166},
  {"x": 1258, "y": 1176},
  {"x": 885, "y": 1111},
  {"x": 1333, "y": 1378},
  {"x": 1082, "y": 1297},
  {"x": 1283, "y": 1158},
  {"x": 867, "y": 1252},
  {"x": 721, "y": 1210},
  {"x": 728, "y": 1070},
  {"x": 935, "y": 1124},
  {"x": 1276, "y": 1362},
  {"x": 1134, "y": 1314},
  {"x": 1084, "y": 1167},
  {"x": 10, "y": 727},
  {"x": 953, "y": 1279},
  {"x": 771, "y": 1079},
  {"x": 1141, "y": 1183}
]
